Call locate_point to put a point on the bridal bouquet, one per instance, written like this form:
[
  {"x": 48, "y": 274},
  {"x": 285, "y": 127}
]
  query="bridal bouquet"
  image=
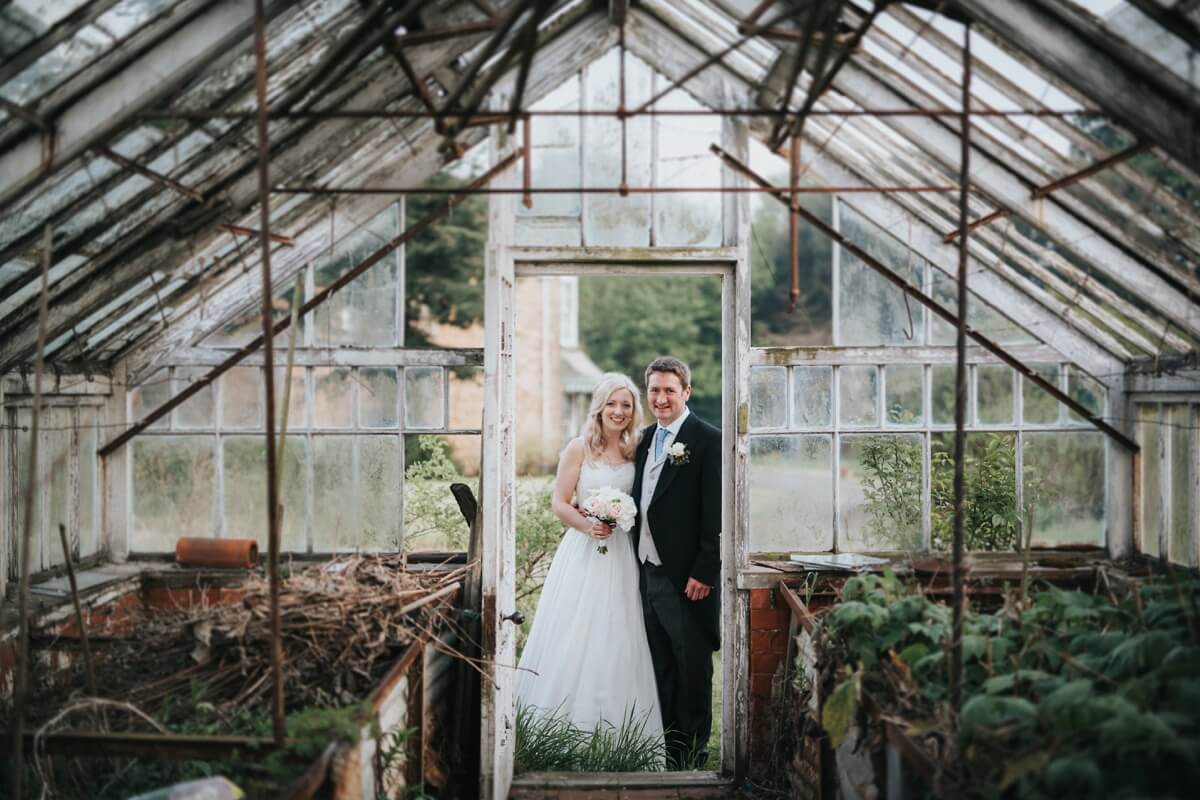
[{"x": 611, "y": 507}]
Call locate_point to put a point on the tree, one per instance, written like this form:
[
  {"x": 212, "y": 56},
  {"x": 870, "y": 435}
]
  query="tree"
[
  {"x": 444, "y": 264},
  {"x": 625, "y": 322}
]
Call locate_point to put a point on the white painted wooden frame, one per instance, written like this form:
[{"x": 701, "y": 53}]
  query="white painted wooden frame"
[{"x": 726, "y": 264}]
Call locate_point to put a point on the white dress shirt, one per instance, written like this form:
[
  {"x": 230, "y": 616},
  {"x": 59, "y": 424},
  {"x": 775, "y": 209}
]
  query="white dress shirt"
[{"x": 650, "y": 475}]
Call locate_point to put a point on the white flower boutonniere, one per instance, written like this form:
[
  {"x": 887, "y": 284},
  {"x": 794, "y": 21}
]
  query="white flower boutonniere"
[{"x": 678, "y": 454}]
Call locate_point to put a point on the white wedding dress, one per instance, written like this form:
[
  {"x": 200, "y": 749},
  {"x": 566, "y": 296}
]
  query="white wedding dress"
[{"x": 587, "y": 658}]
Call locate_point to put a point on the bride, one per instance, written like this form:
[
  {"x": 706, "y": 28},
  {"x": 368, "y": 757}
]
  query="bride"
[{"x": 587, "y": 658}]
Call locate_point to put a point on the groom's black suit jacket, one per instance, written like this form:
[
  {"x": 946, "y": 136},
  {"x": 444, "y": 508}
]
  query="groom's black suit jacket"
[{"x": 685, "y": 515}]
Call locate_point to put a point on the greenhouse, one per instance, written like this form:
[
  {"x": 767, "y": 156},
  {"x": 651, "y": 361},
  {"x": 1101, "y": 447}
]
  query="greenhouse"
[{"x": 932, "y": 274}]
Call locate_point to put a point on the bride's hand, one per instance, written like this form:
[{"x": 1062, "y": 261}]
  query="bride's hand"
[{"x": 600, "y": 530}]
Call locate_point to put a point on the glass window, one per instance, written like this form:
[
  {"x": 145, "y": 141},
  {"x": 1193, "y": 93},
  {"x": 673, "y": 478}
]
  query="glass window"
[
  {"x": 423, "y": 398},
  {"x": 905, "y": 401},
  {"x": 1040, "y": 407},
  {"x": 332, "y": 397},
  {"x": 240, "y": 401},
  {"x": 1063, "y": 481},
  {"x": 1150, "y": 437},
  {"x": 994, "y": 393},
  {"x": 173, "y": 479},
  {"x": 466, "y": 398},
  {"x": 379, "y": 491},
  {"x": 943, "y": 378},
  {"x": 244, "y": 470},
  {"x": 990, "y": 491},
  {"x": 879, "y": 492},
  {"x": 432, "y": 520},
  {"x": 364, "y": 313},
  {"x": 334, "y": 501},
  {"x": 812, "y": 396},
  {"x": 768, "y": 397},
  {"x": 149, "y": 395},
  {"x": 858, "y": 396},
  {"x": 1085, "y": 390},
  {"x": 873, "y": 310},
  {"x": 297, "y": 400},
  {"x": 791, "y": 493},
  {"x": 683, "y": 159},
  {"x": 198, "y": 411},
  {"x": 378, "y": 397}
]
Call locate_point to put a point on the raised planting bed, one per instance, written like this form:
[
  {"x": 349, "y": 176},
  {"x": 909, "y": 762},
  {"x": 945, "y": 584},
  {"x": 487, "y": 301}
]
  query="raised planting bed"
[
  {"x": 182, "y": 666},
  {"x": 1066, "y": 692}
]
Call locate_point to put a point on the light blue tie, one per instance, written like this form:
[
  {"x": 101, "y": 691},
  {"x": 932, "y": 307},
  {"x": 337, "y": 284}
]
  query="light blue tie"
[{"x": 659, "y": 437}]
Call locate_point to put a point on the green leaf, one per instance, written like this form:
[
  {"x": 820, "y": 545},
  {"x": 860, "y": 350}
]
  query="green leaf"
[
  {"x": 914, "y": 653},
  {"x": 1075, "y": 776},
  {"x": 840, "y": 708},
  {"x": 1023, "y": 765},
  {"x": 988, "y": 711}
]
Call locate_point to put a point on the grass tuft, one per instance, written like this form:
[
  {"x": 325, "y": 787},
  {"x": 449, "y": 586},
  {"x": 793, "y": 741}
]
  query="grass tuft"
[{"x": 550, "y": 743}]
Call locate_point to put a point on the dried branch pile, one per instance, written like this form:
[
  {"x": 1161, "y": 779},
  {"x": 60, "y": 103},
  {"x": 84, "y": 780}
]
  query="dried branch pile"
[{"x": 343, "y": 624}]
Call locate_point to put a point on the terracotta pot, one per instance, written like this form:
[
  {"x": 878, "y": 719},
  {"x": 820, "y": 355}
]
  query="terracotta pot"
[{"x": 224, "y": 553}]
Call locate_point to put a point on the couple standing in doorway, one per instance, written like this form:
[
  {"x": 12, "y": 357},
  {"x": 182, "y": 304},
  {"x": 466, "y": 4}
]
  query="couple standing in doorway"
[{"x": 629, "y": 617}]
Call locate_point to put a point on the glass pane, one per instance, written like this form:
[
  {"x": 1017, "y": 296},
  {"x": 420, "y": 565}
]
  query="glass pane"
[
  {"x": 858, "y": 395},
  {"x": 297, "y": 401},
  {"x": 1149, "y": 437},
  {"x": 432, "y": 520},
  {"x": 994, "y": 390},
  {"x": 684, "y": 160},
  {"x": 773, "y": 321},
  {"x": 198, "y": 411},
  {"x": 1184, "y": 459},
  {"x": 363, "y": 313},
  {"x": 466, "y": 398},
  {"x": 556, "y": 161},
  {"x": 245, "y": 480},
  {"x": 611, "y": 219},
  {"x": 88, "y": 483},
  {"x": 791, "y": 493},
  {"x": 149, "y": 395},
  {"x": 55, "y": 458},
  {"x": 990, "y": 491},
  {"x": 905, "y": 400},
  {"x": 240, "y": 403},
  {"x": 378, "y": 397},
  {"x": 879, "y": 492},
  {"x": 1040, "y": 408},
  {"x": 768, "y": 397},
  {"x": 173, "y": 478},
  {"x": 332, "y": 404},
  {"x": 942, "y": 377},
  {"x": 379, "y": 480},
  {"x": 1087, "y": 391},
  {"x": 980, "y": 316},
  {"x": 873, "y": 310},
  {"x": 335, "y": 524},
  {"x": 247, "y": 325},
  {"x": 812, "y": 396},
  {"x": 1064, "y": 482},
  {"x": 423, "y": 400}
]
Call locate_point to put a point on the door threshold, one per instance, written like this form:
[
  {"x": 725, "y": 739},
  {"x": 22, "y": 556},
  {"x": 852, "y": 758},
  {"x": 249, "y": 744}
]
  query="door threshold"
[{"x": 620, "y": 780}]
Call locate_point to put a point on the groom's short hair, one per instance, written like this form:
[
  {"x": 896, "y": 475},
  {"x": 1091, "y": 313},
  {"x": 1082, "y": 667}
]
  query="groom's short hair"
[{"x": 672, "y": 365}]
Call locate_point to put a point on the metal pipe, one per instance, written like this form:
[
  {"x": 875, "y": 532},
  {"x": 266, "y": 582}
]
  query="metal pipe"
[
  {"x": 438, "y": 190},
  {"x": 279, "y": 238},
  {"x": 83, "y": 634},
  {"x": 960, "y": 387},
  {"x": 1030, "y": 374},
  {"x": 527, "y": 163},
  {"x": 320, "y": 297},
  {"x": 794, "y": 222},
  {"x": 209, "y": 115},
  {"x": 149, "y": 174},
  {"x": 264, "y": 208},
  {"x": 442, "y": 34},
  {"x": 1053, "y": 186},
  {"x": 21, "y": 689}
]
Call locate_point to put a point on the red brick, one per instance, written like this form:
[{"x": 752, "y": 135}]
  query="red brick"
[
  {"x": 764, "y": 663},
  {"x": 766, "y": 641},
  {"x": 769, "y": 619}
]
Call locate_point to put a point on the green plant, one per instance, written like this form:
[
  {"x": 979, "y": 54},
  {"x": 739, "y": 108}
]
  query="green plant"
[
  {"x": 892, "y": 467},
  {"x": 989, "y": 496},
  {"x": 549, "y": 742}
]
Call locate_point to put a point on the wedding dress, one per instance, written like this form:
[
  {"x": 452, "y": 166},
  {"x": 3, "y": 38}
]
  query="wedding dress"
[{"x": 587, "y": 658}]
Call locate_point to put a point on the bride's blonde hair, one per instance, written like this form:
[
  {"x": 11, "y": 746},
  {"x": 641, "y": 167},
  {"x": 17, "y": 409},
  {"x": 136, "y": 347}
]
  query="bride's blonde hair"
[{"x": 593, "y": 428}]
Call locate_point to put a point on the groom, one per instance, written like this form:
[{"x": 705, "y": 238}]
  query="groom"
[{"x": 677, "y": 486}]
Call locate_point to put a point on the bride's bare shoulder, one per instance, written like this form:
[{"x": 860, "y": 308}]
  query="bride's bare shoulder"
[{"x": 575, "y": 450}]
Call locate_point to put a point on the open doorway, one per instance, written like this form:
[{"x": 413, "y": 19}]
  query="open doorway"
[{"x": 573, "y": 324}]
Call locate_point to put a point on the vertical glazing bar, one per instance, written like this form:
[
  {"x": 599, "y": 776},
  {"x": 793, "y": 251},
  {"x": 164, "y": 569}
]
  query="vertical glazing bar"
[
  {"x": 794, "y": 222},
  {"x": 624, "y": 184},
  {"x": 960, "y": 381},
  {"x": 264, "y": 206},
  {"x": 527, "y": 162}
]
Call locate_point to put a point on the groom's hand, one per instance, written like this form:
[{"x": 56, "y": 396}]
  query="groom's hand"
[{"x": 695, "y": 590}]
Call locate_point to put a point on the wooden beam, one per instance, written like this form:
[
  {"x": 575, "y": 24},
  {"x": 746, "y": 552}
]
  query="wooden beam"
[{"x": 1139, "y": 93}]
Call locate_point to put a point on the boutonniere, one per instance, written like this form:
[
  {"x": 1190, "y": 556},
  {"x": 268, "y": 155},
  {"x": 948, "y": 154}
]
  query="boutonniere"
[{"x": 678, "y": 454}]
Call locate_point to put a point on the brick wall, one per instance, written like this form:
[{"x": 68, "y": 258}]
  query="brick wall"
[{"x": 769, "y": 621}]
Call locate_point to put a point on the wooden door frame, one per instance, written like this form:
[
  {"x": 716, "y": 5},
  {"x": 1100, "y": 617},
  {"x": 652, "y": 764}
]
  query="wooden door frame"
[{"x": 731, "y": 266}]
